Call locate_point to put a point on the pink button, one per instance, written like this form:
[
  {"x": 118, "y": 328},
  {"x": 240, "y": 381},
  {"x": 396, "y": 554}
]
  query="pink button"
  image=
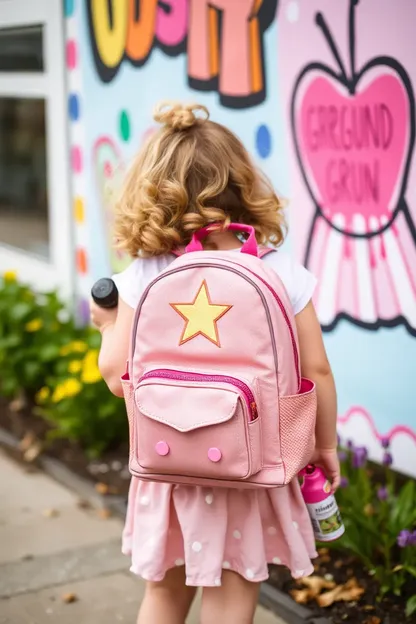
[
  {"x": 162, "y": 448},
  {"x": 214, "y": 454}
]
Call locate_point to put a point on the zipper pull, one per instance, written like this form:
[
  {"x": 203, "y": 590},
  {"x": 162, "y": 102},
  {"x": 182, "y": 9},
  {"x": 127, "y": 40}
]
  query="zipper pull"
[{"x": 254, "y": 412}]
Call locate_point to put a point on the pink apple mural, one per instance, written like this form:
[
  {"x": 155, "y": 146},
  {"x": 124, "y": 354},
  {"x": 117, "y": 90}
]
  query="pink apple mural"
[{"x": 352, "y": 135}]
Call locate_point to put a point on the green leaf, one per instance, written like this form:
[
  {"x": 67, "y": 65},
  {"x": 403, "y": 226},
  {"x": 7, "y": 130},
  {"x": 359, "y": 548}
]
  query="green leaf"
[
  {"x": 9, "y": 387},
  {"x": 31, "y": 370},
  {"x": 10, "y": 342},
  {"x": 411, "y": 606},
  {"x": 49, "y": 352},
  {"x": 410, "y": 569},
  {"x": 404, "y": 509},
  {"x": 20, "y": 310}
]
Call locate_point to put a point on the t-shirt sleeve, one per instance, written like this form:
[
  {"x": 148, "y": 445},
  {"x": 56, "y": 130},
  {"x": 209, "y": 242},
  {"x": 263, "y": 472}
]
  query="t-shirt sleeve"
[
  {"x": 303, "y": 287},
  {"x": 300, "y": 283},
  {"x": 130, "y": 283}
]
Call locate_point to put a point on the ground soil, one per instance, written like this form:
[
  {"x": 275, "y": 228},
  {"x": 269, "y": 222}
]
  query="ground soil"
[
  {"x": 340, "y": 567},
  {"x": 110, "y": 474}
]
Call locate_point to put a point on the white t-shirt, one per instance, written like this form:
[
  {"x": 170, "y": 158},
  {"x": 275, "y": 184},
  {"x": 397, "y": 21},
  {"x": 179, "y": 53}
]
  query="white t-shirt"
[{"x": 298, "y": 281}]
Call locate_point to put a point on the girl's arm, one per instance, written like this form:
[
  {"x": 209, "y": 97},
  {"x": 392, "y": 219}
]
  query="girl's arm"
[
  {"x": 315, "y": 366},
  {"x": 115, "y": 327}
]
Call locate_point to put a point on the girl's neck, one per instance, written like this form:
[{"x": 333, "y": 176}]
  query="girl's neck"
[{"x": 224, "y": 241}]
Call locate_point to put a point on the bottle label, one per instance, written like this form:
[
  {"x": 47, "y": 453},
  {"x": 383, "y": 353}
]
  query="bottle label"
[{"x": 326, "y": 519}]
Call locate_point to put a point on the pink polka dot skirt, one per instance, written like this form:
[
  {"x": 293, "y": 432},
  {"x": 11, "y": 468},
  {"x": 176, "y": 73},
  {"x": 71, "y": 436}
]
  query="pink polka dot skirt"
[{"x": 210, "y": 530}]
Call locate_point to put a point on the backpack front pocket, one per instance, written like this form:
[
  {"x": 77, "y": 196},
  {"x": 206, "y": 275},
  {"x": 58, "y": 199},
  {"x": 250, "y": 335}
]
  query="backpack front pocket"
[{"x": 202, "y": 426}]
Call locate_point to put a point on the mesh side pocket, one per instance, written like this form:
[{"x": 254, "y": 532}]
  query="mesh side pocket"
[
  {"x": 129, "y": 400},
  {"x": 297, "y": 428}
]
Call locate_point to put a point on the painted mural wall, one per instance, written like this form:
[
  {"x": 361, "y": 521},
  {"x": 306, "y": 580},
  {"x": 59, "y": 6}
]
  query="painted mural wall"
[{"x": 324, "y": 101}]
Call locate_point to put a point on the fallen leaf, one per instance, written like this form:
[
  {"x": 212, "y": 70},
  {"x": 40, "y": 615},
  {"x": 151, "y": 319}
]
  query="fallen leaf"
[
  {"x": 102, "y": 488},
  {"x": 338, "y": 564},
  {"x": 27, "y": 441},
  {"x": 347, "y": 593},
  {"x": 373, "y": 619},
  {"x": 32, "y": 452},
  {"x": 369, "y": 510},
  {"x": 50, "y": 513},
  {"x": 104, "y": 513},
  {"x": 70, "y": 597},
  {"x": 301, "y": 596},
  {"x": 18, "y": 404},
  {"x": 328, "y": 598},
  {"x": 83, "y": 504},
  {"x": 369, "y": 608},
  {"x": 316, "y": 584},
  {"x": 323, "y": 551},
  {"x": 324, "y": 559}
]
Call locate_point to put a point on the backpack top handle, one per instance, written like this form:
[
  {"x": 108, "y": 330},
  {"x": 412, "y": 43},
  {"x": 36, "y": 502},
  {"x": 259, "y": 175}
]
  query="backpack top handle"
[{"x": 249, "y": 246}]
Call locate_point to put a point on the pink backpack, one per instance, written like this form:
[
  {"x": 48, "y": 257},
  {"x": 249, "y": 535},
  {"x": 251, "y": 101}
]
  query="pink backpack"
[{"x": 214, "y": 393}]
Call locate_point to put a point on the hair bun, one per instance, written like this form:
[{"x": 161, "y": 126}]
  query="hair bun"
[{"x": 178, "y": 116}]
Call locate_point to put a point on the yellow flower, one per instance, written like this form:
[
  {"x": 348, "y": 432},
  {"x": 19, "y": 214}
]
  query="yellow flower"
[
  {"x": 77, "y": 346},
  {"x": 10, "y": 276},
  {"x": 74, "y": 367},
  {"x": 42, "y": 395},
  {"x": 34, "y": 326},
  {"x": 90, "y": 371},
  {"x": 68, "y": 388}
]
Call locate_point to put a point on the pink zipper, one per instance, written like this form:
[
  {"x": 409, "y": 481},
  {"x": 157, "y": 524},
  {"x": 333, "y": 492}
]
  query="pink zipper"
[{"x": 163, "y": 373}]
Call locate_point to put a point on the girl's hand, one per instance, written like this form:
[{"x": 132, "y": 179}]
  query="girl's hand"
[
  {"x": 102, "y": 317},
  {"x": 327, "y": 459}
]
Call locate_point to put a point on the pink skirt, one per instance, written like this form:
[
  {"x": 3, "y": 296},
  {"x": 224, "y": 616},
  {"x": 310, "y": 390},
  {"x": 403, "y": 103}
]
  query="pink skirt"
[{"x": 209, "y": 530}]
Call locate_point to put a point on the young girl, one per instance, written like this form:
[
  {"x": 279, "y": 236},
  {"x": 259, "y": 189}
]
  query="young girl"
[{"x": 191, "y": 173}]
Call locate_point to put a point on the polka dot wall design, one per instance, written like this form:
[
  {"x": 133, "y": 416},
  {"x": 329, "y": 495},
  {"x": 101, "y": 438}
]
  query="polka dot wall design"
[
  {"x": 263, "y": 141},
  {"x": 75, "y": 111}
]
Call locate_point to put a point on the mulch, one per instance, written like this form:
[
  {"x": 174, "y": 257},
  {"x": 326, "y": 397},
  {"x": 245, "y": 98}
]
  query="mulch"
[{"x": 341, "y": 567}]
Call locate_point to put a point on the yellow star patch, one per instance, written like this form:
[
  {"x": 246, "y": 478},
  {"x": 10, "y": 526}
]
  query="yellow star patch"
[{"x": 201, "y": 316}]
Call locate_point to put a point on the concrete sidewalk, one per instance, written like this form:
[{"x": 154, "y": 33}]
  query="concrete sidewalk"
[{"x": 60, "y": 562}]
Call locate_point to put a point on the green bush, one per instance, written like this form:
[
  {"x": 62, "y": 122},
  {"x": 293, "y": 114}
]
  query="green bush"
[
  {"x": 380, "y": 521},
  {"x": 54, "y": 363}
]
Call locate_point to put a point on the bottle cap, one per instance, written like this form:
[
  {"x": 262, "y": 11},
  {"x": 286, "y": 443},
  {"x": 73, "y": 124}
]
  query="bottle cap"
[{"x": 105, "y": 293}]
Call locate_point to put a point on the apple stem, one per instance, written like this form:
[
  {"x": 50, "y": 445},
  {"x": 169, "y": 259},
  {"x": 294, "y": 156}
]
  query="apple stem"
[
  {"x": 353, "y": 4},
  {"x": 321, "y": 22}
]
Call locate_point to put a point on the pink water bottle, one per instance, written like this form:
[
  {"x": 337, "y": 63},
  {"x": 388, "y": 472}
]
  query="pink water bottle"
[{"x": 322, "y": 506}]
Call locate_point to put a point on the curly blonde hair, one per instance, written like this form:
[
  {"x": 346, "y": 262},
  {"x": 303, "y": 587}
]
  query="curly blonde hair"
[{"x": 190, "y": 173}]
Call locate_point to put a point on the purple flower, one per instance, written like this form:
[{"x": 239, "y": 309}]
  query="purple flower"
[
  {"x": 387, "y": 459},
  {"x": 385, "y": 443},
  {"x": 350, "y": 445},
  {"x": 404, "y": 539},
  {"x": 344, "y": 482},
  {"x": 338, "y": 439},
  {"x": 342, "y": 456},
  {"x": 412, "y": 538},
  {"x": 359, "y": 457},
  {"x": 383, "y": 493}
]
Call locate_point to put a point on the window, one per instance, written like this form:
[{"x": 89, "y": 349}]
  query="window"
[
  {"x": 35, "y": 198},
  {"x": 23, "y": 188},
  {"x": 21, "y": 49}
]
